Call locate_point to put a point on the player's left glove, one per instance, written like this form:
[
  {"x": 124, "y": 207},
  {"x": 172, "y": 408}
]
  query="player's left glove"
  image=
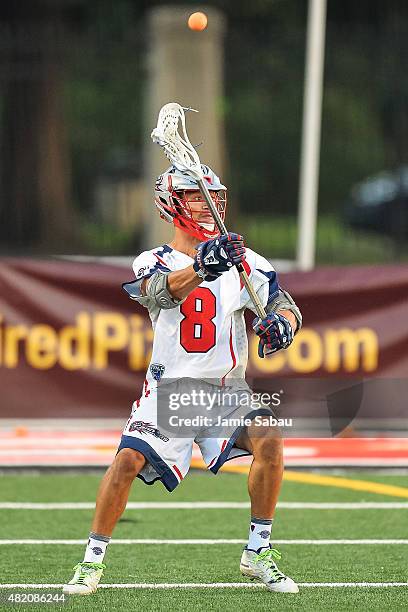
[{"x": 275, "y": 333}]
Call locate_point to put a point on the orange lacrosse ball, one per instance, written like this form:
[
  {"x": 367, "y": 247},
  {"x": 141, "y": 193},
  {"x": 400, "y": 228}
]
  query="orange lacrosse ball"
[{"x": 197, "y": 22}]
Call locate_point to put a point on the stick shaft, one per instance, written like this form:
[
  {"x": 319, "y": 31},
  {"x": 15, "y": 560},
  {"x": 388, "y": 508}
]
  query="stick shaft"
[
  {"x": 214, "y": 210},
  {"x": 260, "y": 311}
]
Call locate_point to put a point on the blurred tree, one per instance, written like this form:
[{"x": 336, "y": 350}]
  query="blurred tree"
[
  {"x": 35, "y": 200},
  {"x": 392, "y": 97},
  {"x": 103, "y": 89},
  {"x": 72, "y": 78}
]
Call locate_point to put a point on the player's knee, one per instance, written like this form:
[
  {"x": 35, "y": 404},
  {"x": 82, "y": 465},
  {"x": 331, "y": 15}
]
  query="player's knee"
[
  {"x": 269, "y": 450},
  {"x": 127, "y": 464}
]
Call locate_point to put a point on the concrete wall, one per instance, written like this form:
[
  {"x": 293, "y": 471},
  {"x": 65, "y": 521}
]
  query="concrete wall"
[{"x": 185, "y": 67}]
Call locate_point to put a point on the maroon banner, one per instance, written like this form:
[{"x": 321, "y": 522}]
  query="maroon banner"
[{"x": 73, "y": 345}]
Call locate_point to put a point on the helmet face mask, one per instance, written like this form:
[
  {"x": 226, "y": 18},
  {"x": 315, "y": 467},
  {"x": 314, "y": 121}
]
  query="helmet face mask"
[{"x": 172, "y": 191}]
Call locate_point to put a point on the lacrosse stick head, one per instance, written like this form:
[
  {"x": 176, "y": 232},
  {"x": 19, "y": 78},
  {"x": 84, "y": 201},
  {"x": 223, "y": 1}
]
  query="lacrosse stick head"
[
  {"x": 170, "y": 133},
  {"x": 178, "y": 200}
]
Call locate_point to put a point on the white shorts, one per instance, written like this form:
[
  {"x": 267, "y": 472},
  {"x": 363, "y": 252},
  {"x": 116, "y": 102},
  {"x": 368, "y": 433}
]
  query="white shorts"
[{"x": 168, "y": 458}]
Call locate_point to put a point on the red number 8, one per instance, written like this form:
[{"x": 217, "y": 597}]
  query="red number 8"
[{"x": 197, "y": 329}]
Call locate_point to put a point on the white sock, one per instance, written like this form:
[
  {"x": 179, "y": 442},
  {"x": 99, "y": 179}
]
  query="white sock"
[
  {"x": 96, "y": 548},
  {"x": 259, "y": 533}
]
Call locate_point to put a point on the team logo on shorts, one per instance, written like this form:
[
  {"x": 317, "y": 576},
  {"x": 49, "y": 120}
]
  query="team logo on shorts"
[
  {"x": 147, "y": 428},
  {"x": 157, "y": 370}
]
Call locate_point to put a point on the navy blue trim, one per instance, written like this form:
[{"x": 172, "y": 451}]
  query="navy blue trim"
[
  {"x": 273, "y": 284},
  {"x": 132, "y": 288},
  {"x": 157, "y": 266},
  {"x": 165, "y": 474},
  {"x": 149, "y": 482},
  {"x": 244, "y": 453},
  {"x": 165, "y": 249},
  {"x": 223, "y": 457},
  {"x": 273, "y": 291},
  {"x": 270, "y": 274}
]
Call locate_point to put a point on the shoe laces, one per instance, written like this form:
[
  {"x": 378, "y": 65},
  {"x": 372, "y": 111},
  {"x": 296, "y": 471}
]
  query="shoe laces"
[
  {"x": 267, "y": 559},
  {"x": 86, "y": 569}
]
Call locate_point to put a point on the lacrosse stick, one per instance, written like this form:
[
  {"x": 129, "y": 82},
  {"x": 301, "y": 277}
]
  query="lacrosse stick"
[{"x": 184, "y": 157}]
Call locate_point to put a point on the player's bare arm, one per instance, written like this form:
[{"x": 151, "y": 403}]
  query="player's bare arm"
[
  {"x": 180, "y": 283},
  {"x": 288, "y": 314},
  {"x": 211, "y": 259}
]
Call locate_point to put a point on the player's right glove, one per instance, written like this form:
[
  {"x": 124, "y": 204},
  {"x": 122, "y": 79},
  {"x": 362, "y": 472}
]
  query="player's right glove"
[{"x": 218, "y": 255}]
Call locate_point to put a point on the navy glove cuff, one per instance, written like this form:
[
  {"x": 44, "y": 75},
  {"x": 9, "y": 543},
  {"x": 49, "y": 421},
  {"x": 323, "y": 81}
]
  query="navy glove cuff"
[{"x": 200, "y": 270}]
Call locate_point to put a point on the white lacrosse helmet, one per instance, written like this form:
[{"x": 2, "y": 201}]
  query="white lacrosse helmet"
[{"x": 170, "y": 199}]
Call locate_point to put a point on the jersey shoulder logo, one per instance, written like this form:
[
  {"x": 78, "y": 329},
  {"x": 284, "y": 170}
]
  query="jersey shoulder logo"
[{"x": 141, "y": 271}]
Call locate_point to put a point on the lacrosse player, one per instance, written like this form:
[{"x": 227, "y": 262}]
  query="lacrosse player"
[{"x": 196, "y": 302}]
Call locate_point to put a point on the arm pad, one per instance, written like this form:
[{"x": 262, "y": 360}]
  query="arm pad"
[
  {"x": 284, "y": 301},
  {"x": 157, "y": 290}
]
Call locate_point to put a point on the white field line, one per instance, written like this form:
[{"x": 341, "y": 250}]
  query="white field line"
[
  {"x": 210, "y": 585},
  {"x": 207, "y": 505},
  {"x": 203, "y": 542}
]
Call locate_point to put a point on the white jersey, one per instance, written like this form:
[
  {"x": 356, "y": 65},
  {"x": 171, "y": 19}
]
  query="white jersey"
[{"x": 205, "y": 336}]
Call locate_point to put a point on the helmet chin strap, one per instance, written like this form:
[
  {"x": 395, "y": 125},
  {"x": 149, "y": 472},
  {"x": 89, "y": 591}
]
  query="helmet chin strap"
[{"x": 202, "y": 231}]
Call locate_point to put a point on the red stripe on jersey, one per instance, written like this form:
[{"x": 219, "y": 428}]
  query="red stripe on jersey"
[
  {"x": 234, "y": 360},
  {"x": 179, "y": 474},
  {"x": 160, "y": 259},
  {"x": 211, "y": 462},
  {"x": 146, "y": 390},
  {"x": 224, "y": 444},
  {"x": 247, "y": 270}
]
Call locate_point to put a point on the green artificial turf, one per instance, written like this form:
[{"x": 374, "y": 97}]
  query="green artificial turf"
[{"x": 170, "y": 563}]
